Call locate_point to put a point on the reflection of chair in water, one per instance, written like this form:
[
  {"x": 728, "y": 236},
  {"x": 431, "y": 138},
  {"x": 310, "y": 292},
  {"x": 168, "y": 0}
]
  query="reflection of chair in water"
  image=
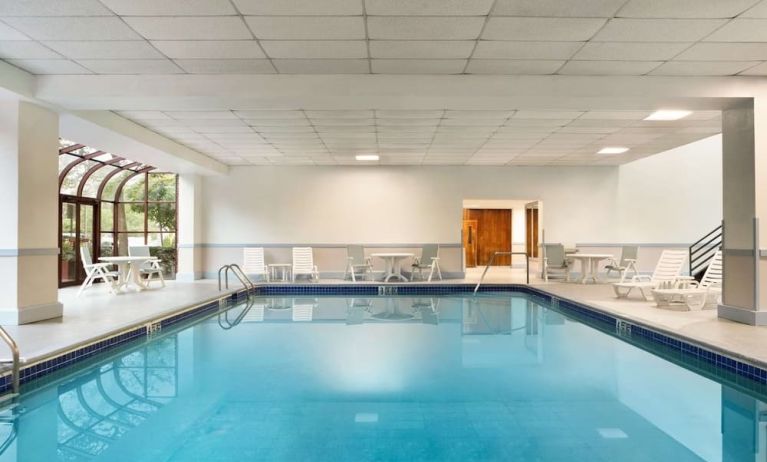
[
  {"x": 427, "y": 307},
  {"x": 97, "y": 409},
  {"x": 303, "y": 308},
  {"x": 356, "y": 310},
  {"x": 392, "y": 312}
]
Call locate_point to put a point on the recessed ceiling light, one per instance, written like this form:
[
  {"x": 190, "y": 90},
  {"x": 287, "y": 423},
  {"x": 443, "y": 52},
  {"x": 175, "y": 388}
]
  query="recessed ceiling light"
[
  {"x": 613, "y": 150},
  {"x": 366, "y": 157},
  {"x": 668, "y": 115}
]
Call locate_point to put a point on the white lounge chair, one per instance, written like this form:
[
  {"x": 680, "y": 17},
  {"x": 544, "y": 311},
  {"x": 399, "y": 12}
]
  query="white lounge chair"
[
  {"x": 554, "y": 262},
  {"x": 695, "y": 295},
  {"x": 429, "y": 260},
  {"x": 627, "y": 262},
  {"x": 94, "y": 271},
  {"x": 667, "y": 271},
  {"x": 303, "y": 263},
  {"x": 254, "y": 263},
  {"x": 357, "y": 263},
  {"x": 151, "y": 268}
]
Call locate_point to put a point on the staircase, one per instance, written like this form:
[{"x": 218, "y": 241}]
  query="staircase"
[{"x": 703, "y": 250}]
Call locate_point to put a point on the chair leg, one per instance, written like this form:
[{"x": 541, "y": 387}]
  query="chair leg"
[
  {"x": 431, "y": 272},
  {"x": 439, "y": 271},
  {"x": 85, "y": 284},
  {"x": 350, "y": 269},
  {"x": 162, "y": 278}
]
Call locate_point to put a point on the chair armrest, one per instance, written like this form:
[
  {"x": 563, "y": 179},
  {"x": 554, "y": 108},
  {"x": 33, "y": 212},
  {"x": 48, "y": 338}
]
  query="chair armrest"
[
  {"x": 98, "y": 265},
  {"x": 631, "y": 260},
  {"x": 434, "y": 258},
  {"x": 641, "y": 278}
]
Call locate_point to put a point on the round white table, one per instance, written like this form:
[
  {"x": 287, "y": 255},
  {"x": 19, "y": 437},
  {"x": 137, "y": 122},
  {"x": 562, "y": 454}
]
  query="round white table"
[
  {"x": 589, "y": 264},
  {"x": 393, "y": 263},
  {"x": 281, "y": 269},
  {"x": 128, "y": 271}
]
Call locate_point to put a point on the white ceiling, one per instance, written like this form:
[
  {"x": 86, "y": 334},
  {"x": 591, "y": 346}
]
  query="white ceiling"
[
  {"x": 222, "y": 38},
  {"x": 585, "y": 37},
  {"x": 425, "y": 137}
]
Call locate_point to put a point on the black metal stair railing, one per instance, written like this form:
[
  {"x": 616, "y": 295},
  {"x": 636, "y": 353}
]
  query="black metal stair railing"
[{"x": 703, "y": 250}]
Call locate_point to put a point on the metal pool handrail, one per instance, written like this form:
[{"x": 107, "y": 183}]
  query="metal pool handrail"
[
  {"x": 492, "y": 259},
  {"x": 15, "y": 352},
  {"x": 235, "y": 268}
]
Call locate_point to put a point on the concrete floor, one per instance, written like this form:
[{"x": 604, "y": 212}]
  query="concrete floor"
[{"x": 97, "y": 313}]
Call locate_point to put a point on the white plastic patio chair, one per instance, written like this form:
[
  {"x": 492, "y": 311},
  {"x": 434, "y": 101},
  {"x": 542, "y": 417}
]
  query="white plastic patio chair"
[
  {"x": 627, "y": 262},
  {"x": 554, "y": 262},
  {"x": 254, "y": 263},
  {"x": 695, "y": 295},
  {"x": 357, "y": 263},
  {"x": 95, "y": 271},
  {"x": 429, "y": 260},
  {"x": 303, "y": 264},
  {"x": 666, "y": 272},
  {"x": 150, "y": 268}
]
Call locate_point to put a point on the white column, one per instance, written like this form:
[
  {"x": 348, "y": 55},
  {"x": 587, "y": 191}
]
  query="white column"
[
  {"x": 29, "y": 210},
  {"x": 744, "y": 169},
  {"x": 189, "y": 228}
]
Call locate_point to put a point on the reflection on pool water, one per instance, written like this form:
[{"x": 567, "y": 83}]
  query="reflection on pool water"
[{"x": 386, "y": 378}]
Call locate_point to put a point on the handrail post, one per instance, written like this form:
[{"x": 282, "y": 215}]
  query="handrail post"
[
  {"x": 15, "y": 353},
  {"x": 492, "y": 259}
]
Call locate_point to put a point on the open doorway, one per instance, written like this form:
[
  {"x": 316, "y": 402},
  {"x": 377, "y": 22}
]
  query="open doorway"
[{"x": 498, "y": 226}]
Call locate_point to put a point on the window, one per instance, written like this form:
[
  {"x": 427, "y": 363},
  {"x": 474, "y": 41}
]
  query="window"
[{"x": 133, "y": 206}]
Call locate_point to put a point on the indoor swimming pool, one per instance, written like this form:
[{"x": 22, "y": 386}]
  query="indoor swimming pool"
[{"x": 440, "y": 378}]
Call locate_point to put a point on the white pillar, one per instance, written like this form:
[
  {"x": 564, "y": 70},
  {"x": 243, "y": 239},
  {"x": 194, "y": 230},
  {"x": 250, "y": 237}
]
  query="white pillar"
[
  {"x": 189, "y": 228},
  {"x": 744, "y": 169},
  {"x": 29, "y": 210}
]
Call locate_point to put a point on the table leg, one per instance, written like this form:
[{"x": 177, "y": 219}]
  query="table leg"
[
  {"x": 584, "y": 270},
  {"x": 595, "y": 270},
  {"x": 135, "y": 271},
  {"x": 388, "y": 263},
  {"x": 122, "y": 276},
  {"x": 398, "y": 270}
]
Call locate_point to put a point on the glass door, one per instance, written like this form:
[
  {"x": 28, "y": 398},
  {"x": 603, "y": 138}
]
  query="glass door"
[{"x": 78, "y": 229}]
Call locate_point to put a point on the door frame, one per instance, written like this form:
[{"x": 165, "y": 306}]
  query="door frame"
[{"x": 95, "y": 238}]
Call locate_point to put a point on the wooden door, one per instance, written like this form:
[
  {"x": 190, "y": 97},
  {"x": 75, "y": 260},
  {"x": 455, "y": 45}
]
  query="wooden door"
[
  {"x": 493, "y": 234},
  {"x": 470, "y": 242},
  {"x": 531, "y": 230}
]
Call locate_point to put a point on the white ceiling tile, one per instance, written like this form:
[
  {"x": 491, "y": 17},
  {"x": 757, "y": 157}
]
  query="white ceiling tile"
[
  {"x": 609, "y": 67},
  {"x": 189, "y": 28},
  {"x": 306, "y": 27},
  {"x": 269, "y": 114},
  {"x": 300, "y": 7},
  {"x": 549, "y": 115},
  {"x": 553, "y": 8},
  {"x": 226, "y": 66},
  {"x": 684, "y": 8},
  {"x": 618, "y": 115},
  {"x": 144, "y": 115},
  {"x": 758, "y": 11},
  {"x": 26, "y": 49},
  {"x": 415, "y": 66},
  {"x": 424, "y": 28},
  {"x": 741, "y": 30},
  {"x": 107, "y": 49},
  {"x": 702, "y": 67},
  {"x": 322, "y": 66},
  {"x": 130, "y": 66},
  {"x": 707, "y": 51},
  {"x": 546, "y": 29},
  {"x": 478, "y": 114},
  {"x": 305, "y": 49},
  {"x": 408, "y": 114},
  {"x": 442, "y": 49},
  {"x": 277, "y": 122},
  {"x": 428, "y": 7},
  {"x": 760, "y": 69},
  {"x": 49, "y": 66},
  {"x": 215, "y": 129},
  {"x": 209, "y": 49},
  {"x": 630, "y": 51},
  {"x": 508, "y": 66},
  {"x": 496, "y": 49},
  {"x": 200, "y": 115},
  {"x": 53, "y": 8},
  {"x": 340, "y": 114},
  {"x": 9, "y": 33},
  {"x": 73, "y": 28},
  {"x": 170, "y": 7},
  {"x": 657, "y": 30}
]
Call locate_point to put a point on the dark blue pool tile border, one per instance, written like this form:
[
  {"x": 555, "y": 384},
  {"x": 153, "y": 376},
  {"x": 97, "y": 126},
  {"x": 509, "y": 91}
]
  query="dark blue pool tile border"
[{"x": 51, "y": 365}]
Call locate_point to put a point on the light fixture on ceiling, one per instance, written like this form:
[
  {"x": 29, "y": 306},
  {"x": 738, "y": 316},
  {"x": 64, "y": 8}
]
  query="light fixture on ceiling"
[
  {"x": 613, "y": 150},
  {"x": 668, "y": 114},
  {"x": 366, "y": 157}
]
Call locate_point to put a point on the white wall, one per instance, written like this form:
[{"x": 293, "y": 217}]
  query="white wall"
[
  {"x": 398, "y": 204},
  {"x": 671, "y": 197}
]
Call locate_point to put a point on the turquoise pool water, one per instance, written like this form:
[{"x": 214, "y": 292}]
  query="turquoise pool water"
[{"x": 400, "y": 378}]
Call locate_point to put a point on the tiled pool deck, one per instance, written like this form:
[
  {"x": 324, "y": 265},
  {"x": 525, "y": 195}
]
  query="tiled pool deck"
[{"x": 98, "y": 314}]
